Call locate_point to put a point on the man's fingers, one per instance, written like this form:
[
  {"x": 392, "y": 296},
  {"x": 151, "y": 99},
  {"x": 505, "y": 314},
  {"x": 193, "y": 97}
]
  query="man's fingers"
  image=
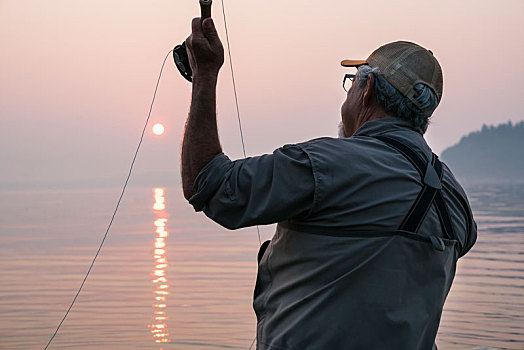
[
  {"x": 189, "y": 45},
  {"x": 196, "y": 27},
  {"x": 210, "y": 30},
  {"x": 204, "y": 47}
]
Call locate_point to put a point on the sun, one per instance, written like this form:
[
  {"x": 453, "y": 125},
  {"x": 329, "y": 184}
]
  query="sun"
[{"x": 158, "y": 129}]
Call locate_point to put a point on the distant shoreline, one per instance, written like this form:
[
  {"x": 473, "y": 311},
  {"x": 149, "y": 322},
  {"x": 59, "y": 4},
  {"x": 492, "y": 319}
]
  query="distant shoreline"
[{"x": 492, "y": 155}]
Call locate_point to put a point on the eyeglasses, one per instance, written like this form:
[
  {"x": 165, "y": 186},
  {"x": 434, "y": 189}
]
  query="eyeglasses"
[{"x": 351, "y": 78}]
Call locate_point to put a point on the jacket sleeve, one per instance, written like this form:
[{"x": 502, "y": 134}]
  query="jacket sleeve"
[{"x": 256, "y": 191}]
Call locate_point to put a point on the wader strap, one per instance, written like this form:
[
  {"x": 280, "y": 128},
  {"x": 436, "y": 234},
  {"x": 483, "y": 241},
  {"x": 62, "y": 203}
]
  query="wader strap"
[
  {"x": 443, "y": 215},
  {"x": 420, "y": 207},
  {"x": 431, "y": 176}
]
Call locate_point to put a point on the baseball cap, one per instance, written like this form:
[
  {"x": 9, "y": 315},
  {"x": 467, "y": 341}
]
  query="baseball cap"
[{"x": 405, "y": 64}]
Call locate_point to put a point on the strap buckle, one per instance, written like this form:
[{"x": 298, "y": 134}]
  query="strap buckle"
[{"x": 431, "y": 177}]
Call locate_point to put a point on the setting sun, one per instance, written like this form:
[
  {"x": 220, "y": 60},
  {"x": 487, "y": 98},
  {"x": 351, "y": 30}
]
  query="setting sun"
[{"x": 158, "y": 129}]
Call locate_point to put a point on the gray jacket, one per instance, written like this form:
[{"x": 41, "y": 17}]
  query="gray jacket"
[{"x": 339, "y": 273}]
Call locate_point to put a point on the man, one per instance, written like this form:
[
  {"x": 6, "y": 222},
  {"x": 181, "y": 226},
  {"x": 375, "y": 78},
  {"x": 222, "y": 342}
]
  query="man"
[{"x": 370, "y": 226}]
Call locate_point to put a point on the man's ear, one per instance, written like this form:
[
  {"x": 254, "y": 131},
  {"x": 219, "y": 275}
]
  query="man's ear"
[{"x": 368, "y": 97}]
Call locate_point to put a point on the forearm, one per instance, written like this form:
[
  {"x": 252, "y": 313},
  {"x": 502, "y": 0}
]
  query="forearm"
[{"x": 200, "y": 143}]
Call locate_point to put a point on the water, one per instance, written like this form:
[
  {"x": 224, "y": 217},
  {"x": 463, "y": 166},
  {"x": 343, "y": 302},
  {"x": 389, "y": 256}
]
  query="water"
[
  {"x": 48, "y": 238},
  {"x": 485, "y": 307}
]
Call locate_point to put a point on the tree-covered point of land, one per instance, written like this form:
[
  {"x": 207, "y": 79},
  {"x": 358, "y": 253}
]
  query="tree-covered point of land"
[{"x": 493, "y": 154}]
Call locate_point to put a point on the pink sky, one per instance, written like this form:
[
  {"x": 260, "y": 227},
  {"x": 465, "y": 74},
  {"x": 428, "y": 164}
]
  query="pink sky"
[{"x": 77, "y": 77}]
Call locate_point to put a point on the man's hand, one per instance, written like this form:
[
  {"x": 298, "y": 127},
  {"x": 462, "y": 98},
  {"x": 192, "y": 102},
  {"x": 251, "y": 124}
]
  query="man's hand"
[{"x": 204, "y": 48}]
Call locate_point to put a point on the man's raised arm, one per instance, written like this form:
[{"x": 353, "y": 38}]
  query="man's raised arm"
[{"x": 201, "y": 143}]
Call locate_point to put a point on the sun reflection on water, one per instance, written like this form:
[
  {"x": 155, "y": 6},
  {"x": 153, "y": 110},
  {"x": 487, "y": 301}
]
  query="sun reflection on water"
[{"x": 159, "y": 328}]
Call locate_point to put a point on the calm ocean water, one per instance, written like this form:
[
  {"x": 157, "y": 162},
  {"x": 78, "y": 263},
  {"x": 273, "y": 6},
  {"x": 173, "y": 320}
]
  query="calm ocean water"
[{"x": 170, "y": 279}]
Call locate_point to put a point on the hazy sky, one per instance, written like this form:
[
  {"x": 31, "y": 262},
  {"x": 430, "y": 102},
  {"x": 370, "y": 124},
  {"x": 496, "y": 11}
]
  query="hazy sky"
[{"x": 77, "y": 77}]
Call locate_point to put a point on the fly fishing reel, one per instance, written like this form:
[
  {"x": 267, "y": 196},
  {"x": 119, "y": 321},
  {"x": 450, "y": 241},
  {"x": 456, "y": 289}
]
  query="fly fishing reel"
[
  {"x": 180, "y": 51},
  {"x": 182, "y": 61}
]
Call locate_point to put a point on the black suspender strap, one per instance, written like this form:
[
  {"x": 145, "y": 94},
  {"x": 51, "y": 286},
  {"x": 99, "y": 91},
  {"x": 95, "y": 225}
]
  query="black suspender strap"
[
  {"x": 443, "y": 215},
  {"x": 431, "y": 176},
  {"x": 420, "y": 207}
]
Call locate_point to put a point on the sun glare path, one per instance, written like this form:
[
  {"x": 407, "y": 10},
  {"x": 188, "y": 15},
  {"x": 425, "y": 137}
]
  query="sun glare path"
[
  {"x": 161, "y": 288},
  {"x": 158, "y": 129}
]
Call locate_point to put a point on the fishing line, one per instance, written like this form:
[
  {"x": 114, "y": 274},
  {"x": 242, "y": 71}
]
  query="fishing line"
[
  {"x": 236, "y": 99},
  {"x": 238, "y": 113},
  {"x": 117, "y": 204}
]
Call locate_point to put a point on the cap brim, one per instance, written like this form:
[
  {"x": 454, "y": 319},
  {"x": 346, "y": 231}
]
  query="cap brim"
[{"x": 353, "y": 63}]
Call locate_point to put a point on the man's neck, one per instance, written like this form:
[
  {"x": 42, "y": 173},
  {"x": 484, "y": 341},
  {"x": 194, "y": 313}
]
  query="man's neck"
[{"x": 371, "y": 113}]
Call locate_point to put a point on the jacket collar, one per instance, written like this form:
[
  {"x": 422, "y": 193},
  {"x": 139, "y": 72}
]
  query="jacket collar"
[{"x": 380, "y": 126}]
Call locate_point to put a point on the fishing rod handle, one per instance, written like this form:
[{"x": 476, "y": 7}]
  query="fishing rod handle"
[{"x": 205, "y": 8}]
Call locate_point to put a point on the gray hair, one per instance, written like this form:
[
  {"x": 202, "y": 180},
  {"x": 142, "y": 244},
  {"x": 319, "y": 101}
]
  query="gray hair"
[{"x": 396, "y": 104}]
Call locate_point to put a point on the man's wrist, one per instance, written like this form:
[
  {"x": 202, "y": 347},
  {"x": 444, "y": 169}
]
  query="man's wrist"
[{"x": 205, "y": 76}]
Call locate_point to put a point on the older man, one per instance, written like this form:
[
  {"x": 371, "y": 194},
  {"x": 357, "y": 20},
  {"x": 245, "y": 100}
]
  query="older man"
[{"x": 370, "y": 226}]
